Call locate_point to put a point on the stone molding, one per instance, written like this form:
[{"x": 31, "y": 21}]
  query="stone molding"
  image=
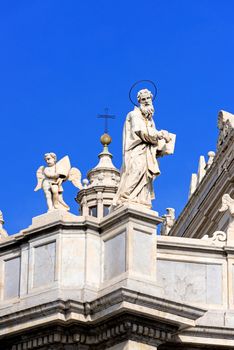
[
  {"x": 96, "y": 189},
  {"x": 195, "y": 245},
  {"x": 100, "y": 337},
  {"x": 108, "y": 319},
  {"x": 130, "y": 210},
  {"x": 90, "y": 310},
  {"x": 203, "y": 338},
  {"x": 83, "y": 223}
]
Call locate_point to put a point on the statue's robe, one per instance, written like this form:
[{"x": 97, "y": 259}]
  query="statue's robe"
[
  {"x": 140, "y": 166},
  {"x": 3, "y": 233}
]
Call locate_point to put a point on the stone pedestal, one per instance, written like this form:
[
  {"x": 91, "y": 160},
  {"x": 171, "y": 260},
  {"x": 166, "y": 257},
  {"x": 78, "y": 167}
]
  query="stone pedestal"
[{"x": 129, "y": 239}]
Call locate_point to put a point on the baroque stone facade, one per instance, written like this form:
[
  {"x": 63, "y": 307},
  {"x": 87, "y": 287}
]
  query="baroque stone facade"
[{"x": 106, "y": 280}]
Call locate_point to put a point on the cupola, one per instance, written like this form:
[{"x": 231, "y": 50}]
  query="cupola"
[{"x": 101, "y": 184}]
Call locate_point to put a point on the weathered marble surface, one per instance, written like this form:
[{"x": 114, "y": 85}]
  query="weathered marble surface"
[
  {"x": 44, "y": 264},
  {"x": 191, "y": 282},
  {"x": 11, "y": 278},
  {"x": 114, "y": 260}
]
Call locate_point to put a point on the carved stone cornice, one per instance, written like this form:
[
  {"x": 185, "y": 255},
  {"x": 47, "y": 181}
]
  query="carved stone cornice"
[
  {"x": 203, "y": 338},
  {"x": 122, "y": 314},
  {"x": 92, "y": 310},
  {"x": 90, "y": 190},
  {"x": 99, "y": 337},
  {"x": 124, "y": 212},
  {"x": 56, "y": 226}
]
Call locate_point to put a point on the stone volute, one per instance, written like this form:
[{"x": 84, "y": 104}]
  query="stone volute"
[{"x": 101, "y": 184}]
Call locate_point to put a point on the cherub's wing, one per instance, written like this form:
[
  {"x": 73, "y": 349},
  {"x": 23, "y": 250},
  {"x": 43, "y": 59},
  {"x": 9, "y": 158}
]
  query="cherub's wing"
[
  {"x": 227, "y": 202},
  {"x": 40, "y": 177},
  {"x": 75, "y": 177}
]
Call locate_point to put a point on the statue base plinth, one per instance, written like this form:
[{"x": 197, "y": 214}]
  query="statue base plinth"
[
  {"x": 52, "y": 217},
  {"x": 129, "y": 238}
]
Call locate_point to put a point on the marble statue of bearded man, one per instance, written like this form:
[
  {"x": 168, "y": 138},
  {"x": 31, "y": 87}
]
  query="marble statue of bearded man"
[{"x": 140, "y": 149}]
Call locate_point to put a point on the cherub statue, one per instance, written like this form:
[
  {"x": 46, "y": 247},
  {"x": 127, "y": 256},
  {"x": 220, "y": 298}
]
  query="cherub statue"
[{"x": 51, "y": 177}]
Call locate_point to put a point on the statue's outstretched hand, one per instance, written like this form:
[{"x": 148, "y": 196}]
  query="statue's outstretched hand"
[{"x": 164, "y": 134}]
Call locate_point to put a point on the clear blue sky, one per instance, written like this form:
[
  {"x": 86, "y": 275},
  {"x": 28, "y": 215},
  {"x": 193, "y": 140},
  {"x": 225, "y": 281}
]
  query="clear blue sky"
[{"x": 63, "y": 62}]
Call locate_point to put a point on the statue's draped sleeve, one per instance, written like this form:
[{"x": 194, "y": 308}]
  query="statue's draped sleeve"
[{"x": 147, "y": 133}]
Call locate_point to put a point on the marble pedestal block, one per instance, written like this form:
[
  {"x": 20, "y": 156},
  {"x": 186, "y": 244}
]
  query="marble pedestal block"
[{"x": 129, "y": 249}]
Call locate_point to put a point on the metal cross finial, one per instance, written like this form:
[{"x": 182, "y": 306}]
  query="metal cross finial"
[{"x": 106, "y": 116}]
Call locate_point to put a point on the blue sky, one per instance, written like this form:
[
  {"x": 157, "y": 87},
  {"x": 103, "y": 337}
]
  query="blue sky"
[{"x": 63, "y": 62}]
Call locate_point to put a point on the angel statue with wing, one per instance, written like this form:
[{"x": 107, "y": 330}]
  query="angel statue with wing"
[{"x": 51, "y": 177}]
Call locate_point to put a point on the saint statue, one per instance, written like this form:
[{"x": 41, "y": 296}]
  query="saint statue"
[
  {"x": 51, "y": 177},
  {"x": 142, "y": 145}
]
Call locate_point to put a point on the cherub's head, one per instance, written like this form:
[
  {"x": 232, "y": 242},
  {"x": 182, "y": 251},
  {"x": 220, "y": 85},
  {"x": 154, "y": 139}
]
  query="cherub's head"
[{"x": 50, "y": 158}]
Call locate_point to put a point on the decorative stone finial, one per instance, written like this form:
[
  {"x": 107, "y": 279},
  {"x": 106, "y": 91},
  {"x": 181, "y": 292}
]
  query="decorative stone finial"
[
  {"x": 3, "y": 232},
  {"x": 211, "y": 156},
  {"x": 193, "y": 184},
  {"x": 1, "y": 218},
  {"x": 202, "y": 169},
  {"x": 105, "y": 139},
  {"x": 51, "y": 177},
  {"x": 105, "y": 159},
  {"x": 85, "y": 183},
  {"x": 169, "y": 219},
  {"x": 225, "y": 125},
  {"x": 228, "y": 205}
]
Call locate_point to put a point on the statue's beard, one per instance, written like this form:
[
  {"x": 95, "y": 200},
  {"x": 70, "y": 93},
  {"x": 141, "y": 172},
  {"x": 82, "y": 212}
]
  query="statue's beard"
[{"x": 147, "y": 111}]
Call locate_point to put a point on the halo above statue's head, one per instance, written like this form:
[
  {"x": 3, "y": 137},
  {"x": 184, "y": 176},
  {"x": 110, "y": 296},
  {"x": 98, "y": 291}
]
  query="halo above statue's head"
[{"x": 141, "y": 81}]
